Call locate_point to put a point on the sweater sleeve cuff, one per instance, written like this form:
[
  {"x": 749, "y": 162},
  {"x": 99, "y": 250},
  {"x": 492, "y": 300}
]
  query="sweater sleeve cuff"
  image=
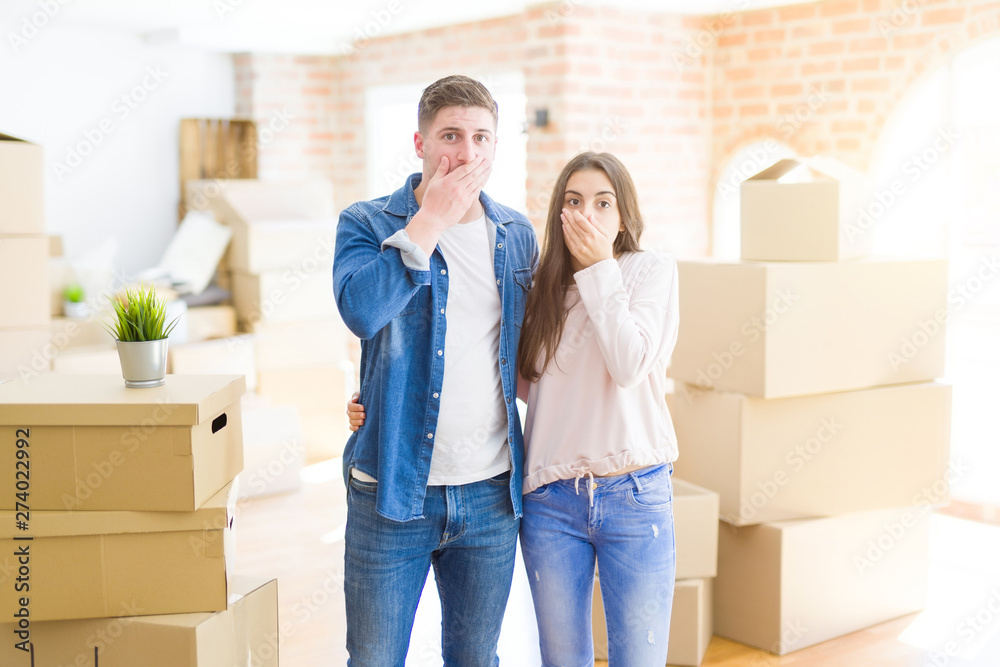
[
  {"x": 601, "y": 270},
  {"x": 413, "y": 255}
]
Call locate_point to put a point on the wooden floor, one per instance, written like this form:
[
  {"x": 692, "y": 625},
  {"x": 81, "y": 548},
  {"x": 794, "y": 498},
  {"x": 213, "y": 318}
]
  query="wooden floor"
[
  {"x": 298, "y": 539},
  {"x": 874, "y": 647}
]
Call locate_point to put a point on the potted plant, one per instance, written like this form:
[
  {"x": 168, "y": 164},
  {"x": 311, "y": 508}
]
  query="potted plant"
[
  {"x": 140, "y": 330},
  {"x": 74, "y": 304}
]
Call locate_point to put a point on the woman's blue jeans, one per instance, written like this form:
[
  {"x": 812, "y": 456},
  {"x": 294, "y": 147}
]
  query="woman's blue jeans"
[{"x": 628, "y": 528}]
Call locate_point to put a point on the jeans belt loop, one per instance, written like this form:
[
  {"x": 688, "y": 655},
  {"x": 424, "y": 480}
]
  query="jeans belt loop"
[{"x": 638, "y": 484}]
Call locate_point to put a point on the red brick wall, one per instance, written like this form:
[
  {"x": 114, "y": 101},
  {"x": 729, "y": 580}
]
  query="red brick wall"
[
  {"x": 827, "y": 77},
  {"x": 675, "y": 97},
  {"x": 293, "y": 99},
  {"x": 579, "y": 63}
]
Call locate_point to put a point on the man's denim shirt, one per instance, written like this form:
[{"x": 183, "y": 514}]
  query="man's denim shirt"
[{"x": 399, "y": 314}]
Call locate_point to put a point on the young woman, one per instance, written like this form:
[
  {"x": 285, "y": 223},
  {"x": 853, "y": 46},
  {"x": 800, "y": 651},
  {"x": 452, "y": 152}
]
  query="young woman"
[{"x": 599, "y": 327}]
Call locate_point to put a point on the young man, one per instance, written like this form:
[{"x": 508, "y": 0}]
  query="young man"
[{"x": 433, "y": 278}]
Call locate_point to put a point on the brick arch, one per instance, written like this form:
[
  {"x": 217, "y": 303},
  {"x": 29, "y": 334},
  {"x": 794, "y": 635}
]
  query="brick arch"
[
  {"x": 753, "y": 135},
  {"x": 926, "y": 63},
  {"x": 734, "y": 148}
]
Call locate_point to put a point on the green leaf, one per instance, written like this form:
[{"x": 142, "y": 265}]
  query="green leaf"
[{"x": 139, "y": 316}]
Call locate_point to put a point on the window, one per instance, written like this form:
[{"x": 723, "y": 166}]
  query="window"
[
  {"x": 391, "y": 120},
  {"x": 943, "y": 143}
]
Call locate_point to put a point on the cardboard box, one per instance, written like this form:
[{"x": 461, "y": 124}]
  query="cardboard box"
[
  {"x": 276, "y": 224},
  {"x": 100, "y": 564},
  {"x": 274, "y": 245},
  {"x": 233, "y": 355},
  {"x": 786, "y": 585},
  {"x": 283, "y": 296},
  {"x": 239, "y": 200},
  {"x": 55, "y": 246},
  {"x": 804, "y": 210},
  {"x": 100, "y": 359},
  {"x": 208, "y": 322},
  {"x": 316, "y": 390},
  {"x": 320, "y": 394},
  {"x": 290, "y": 345},
  {"x": 95, "y": 444},
  {"x": 790, "y": 458},
  {"x": 325, "y": 435},
  {"x": 696, "y": 529},
  {"x": 67, "y": 333},
  {"x": 779, "y": 329},
  {"x": 21, "y": 181},
  {"x": 244, "y": 634},
  {"x": 690, "y": 623},
  {"x": 24, "y": 262},
  {"x": 25, "y": 351},
  {"x": 273, "y": 449}
]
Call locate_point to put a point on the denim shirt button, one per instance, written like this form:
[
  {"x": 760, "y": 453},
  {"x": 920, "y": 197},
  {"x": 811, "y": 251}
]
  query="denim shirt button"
[
  {"x": 443, "y": 272},
  {"x": 499, "y": 245},
  {"x": 436, "y": 395},
  {"x": 442, "y": 311},
  {"x": 430, "y": 435},
  {"x": 498, "y": 281},
  {"x": 440, "y": 352},
  {"x": 508, "y": 399},
  {"x": 503, "y": 361}
]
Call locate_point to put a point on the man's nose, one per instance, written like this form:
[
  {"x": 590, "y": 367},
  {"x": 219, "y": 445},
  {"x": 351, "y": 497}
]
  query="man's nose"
[{"x": 467, "y": 151}]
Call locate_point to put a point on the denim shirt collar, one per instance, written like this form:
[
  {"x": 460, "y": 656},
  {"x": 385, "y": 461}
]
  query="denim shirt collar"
[{"x": 403, "y": 203}]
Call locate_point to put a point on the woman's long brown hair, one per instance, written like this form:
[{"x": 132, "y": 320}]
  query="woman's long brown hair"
[{"x": 545, "y": 312}]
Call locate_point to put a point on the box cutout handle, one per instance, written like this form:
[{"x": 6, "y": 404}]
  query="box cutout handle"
[{"x": 219, "y": 423}]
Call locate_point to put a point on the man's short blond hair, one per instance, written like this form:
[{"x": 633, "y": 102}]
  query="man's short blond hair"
[{"x": 453, "y": 91}]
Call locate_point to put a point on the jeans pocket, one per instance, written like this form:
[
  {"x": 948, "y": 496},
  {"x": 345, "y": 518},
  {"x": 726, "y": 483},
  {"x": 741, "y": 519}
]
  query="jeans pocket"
[
  {"x": 364, "y": 487},
  {"x": 539, "y": 492},
  {"x": 503, "y": 479},
  {"x": 656, "y": 496}
]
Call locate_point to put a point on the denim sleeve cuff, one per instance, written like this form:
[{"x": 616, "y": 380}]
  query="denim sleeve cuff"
[{"x": 413, "y": 255}]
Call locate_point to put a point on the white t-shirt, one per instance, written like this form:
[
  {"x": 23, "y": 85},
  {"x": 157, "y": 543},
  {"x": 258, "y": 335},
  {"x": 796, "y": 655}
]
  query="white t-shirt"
[{"x": 471, "y": 439}]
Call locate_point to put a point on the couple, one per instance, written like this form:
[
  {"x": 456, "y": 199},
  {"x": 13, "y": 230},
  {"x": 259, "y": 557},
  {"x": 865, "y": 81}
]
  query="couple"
[{"x": 458, "y": 318}]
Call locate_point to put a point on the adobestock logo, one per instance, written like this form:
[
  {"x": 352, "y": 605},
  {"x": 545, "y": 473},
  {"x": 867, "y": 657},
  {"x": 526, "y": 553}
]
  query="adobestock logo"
[
  {"x": 752, "y": 330},
  {"x": 32, "y": 25},
  {"x": 380, "y": 20},
  {"x": 913, "y": 168}
]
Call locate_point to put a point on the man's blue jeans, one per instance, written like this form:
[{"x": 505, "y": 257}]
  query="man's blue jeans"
[
  {"x": 629, "y": 529},
  {"x": 468, "y": 534}
]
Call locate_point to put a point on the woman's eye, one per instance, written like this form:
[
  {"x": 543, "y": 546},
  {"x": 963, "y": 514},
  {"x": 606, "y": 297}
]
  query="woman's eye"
[
  {"x": 604, "y": 204},
  {"x": 573, "y": 201}
]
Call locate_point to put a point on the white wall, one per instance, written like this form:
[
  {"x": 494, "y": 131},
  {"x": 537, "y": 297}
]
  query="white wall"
[{"x": 61, "y": 85}]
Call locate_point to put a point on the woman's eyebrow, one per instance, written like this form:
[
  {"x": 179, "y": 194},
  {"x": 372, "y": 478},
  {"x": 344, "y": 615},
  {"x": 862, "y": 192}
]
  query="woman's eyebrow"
[{"x": 602, "y": 192}]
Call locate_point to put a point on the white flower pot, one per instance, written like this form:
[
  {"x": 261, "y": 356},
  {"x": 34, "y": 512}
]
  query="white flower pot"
[
  {"x": 76, "y": 311},
  {"x": 144, "y": 364}
]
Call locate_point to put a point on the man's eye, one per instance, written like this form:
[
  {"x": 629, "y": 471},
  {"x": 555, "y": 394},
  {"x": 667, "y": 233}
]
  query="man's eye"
[{"x": 449, "y": 137}]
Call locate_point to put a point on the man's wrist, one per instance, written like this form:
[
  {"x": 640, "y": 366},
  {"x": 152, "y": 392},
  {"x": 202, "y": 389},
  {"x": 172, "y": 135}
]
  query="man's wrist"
[{"x": 424, "y": 232}]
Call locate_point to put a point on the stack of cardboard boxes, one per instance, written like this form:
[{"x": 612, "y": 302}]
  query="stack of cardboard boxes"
[
  {"x": 24, "y": 253},
  {"x": 117, "y": 507},
  {"x": 279, "y": 269},
  {"x": 807, "y": 399},
  {"x": 696, "y": 518}
]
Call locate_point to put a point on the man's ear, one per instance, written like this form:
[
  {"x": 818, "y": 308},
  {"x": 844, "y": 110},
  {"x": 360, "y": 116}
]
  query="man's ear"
[{"x": 418, "y": 144}]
